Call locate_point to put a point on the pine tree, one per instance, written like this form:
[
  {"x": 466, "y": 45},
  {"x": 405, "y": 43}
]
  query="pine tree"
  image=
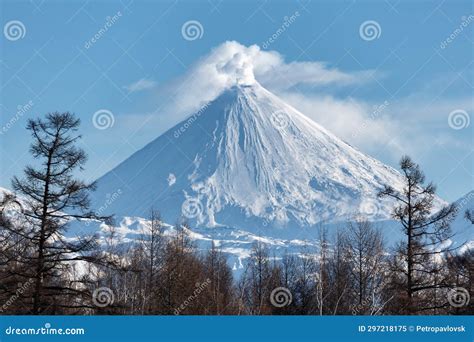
[
  {"x": 426, "y": 236},
  {"x": 54, "y": 198}
]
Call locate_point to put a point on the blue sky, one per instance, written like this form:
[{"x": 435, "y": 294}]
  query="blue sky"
[{"x": 387, "y": 94}]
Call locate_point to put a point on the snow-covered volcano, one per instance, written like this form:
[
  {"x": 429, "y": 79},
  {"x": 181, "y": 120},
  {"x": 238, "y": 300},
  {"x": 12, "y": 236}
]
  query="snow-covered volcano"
[{"x": 248, "y": 159}]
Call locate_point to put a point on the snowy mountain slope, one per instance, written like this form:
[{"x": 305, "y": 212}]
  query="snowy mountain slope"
[
  {"x": 237, "y": 243},
  {"x": 248, "y": 160},
  {"x": 11, "y": 209},
  {"x": 461, "y": 226},
  {"x": 3, "y": 192}
]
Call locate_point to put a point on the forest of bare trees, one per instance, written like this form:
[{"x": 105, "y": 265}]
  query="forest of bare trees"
[{"x": 353, "y": 271}]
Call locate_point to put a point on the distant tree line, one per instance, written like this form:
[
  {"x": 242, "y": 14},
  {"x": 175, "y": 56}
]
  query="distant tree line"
[{"x": 42, "y": 271}]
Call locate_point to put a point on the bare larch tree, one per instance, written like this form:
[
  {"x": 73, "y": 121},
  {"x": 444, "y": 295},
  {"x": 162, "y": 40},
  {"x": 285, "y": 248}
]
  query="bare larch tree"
[
  {"x": 54, "y": 197},
  {"x": 427, "y": 234}
]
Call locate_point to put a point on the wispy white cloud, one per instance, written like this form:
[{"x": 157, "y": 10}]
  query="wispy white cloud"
[
  {"x": 389, "y": 128},
  {"x": 283, "y": 75},
  {"x": 359, "y": 123},
  {"x": 411, "y": 125},
  {"x": 232, "y": 63},
  {"x": 141, "y": 84}
]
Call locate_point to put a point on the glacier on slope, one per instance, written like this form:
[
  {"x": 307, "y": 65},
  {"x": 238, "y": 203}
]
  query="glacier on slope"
[{"x": 249, "y": 160}]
